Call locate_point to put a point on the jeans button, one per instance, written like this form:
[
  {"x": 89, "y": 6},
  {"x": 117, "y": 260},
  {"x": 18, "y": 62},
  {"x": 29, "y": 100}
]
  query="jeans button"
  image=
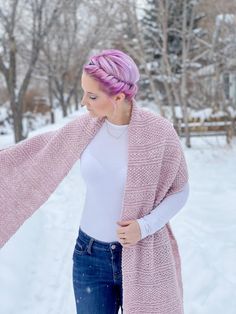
[{"x": 113, "y": 246}]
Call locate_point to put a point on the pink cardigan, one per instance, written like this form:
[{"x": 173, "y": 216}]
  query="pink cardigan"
[{"x": 32, "y": 169}]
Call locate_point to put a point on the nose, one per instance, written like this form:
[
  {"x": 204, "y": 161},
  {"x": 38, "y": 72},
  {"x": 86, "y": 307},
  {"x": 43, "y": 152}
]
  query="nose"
[{"x": 82, "y": 102}]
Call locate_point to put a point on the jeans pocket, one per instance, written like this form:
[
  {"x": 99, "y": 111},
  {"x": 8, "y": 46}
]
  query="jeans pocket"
[{"x": 80, "y": 247}]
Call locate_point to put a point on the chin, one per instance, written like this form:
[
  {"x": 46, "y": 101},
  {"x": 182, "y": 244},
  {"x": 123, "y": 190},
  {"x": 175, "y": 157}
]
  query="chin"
[{"x": 92, "y": 113}]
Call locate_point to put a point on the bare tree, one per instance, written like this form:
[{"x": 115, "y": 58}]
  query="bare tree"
[
  {"x": 131, "y": 23},
  {"x": 20, "y": 39},
  {"x": 74, "y": 36},
  {"x": 59, "y": 50},
  {"x": 171, "y": 71}
]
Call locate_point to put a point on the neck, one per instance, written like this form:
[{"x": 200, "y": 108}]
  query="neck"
[{"x": 122, "y": 117}]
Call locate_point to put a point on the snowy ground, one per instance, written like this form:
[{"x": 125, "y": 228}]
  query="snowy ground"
[{"x": 36, "y": 264}]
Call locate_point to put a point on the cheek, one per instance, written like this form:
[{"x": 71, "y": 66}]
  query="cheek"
[{"x": 102, "y": 104}]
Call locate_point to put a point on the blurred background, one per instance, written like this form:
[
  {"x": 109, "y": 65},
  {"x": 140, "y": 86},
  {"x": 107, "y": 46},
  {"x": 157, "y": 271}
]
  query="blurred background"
[{"x": 185, "y": 51}]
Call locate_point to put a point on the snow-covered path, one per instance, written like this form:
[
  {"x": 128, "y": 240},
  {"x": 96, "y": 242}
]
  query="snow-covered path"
[{"x": 36, "y": 264}]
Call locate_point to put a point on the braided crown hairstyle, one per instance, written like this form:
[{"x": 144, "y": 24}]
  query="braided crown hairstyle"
[{"x": 115, "y": 71}]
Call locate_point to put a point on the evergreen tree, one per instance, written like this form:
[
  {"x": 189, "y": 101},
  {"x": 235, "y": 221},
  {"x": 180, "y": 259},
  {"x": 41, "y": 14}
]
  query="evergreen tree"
[{"x": 153, "y": 27}]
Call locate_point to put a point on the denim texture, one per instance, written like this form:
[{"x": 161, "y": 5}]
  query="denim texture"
[{"x": 97, "y": 275}]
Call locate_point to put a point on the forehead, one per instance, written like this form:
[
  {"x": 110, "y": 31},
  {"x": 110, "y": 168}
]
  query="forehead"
[{"x": 89, "y": 84}]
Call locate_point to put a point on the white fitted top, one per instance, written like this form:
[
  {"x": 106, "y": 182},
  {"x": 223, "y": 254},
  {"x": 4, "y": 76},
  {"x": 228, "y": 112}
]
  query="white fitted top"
[{"x": 104, "y": 169}]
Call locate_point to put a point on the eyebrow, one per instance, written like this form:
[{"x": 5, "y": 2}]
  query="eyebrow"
[{"x": 88, "y": 92}]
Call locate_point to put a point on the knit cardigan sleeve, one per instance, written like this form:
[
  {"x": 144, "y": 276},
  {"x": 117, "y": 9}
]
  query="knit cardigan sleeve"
[
  {"x": 14, "y": 173},
  {"x": 32, "y": 169}
]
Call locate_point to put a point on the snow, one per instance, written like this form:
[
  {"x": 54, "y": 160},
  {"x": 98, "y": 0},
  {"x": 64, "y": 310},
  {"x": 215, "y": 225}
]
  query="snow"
[
  {"x": 36, "y": 264},
  {"x": 225, "y": 18},
  {"x": 207, "y": 70},
  {"x": 203, "y": 114}
]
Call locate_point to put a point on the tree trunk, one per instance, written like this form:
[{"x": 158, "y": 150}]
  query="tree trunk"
[{"x": 17, "y": 122}]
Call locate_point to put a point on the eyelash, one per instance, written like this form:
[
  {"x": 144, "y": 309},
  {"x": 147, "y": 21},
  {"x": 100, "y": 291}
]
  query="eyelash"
[{"x": 92, "y": 97}]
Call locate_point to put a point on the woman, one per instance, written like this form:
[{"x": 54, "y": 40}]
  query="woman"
[{"x": 125, "y": 254}]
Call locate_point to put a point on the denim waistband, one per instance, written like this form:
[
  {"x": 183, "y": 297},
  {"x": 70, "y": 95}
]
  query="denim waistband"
[{"x": 98, "y": 243}]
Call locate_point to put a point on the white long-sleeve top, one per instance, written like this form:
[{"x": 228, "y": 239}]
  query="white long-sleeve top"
[{"x": 104, "y": 169}]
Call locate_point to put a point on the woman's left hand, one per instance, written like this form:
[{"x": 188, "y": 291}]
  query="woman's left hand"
[{"x": 128, "y": 232}]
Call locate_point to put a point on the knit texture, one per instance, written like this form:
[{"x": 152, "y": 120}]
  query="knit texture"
[{"x": 32, "y": 169}]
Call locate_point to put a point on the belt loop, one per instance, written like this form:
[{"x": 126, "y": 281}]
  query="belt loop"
[{"x": 90, "y": 245}]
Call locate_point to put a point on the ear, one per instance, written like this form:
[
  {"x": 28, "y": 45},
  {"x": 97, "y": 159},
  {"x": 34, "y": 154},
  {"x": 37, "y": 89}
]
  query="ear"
[{"x": 119, "y": 97}]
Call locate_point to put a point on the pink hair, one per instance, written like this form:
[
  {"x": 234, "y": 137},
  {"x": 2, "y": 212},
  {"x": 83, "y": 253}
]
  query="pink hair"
[{"x": 115, "y": 71}]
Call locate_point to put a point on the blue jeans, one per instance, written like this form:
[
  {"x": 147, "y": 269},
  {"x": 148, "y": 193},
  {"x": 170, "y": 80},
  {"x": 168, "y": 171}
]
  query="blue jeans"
[{"x": 97, "y": 276}]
